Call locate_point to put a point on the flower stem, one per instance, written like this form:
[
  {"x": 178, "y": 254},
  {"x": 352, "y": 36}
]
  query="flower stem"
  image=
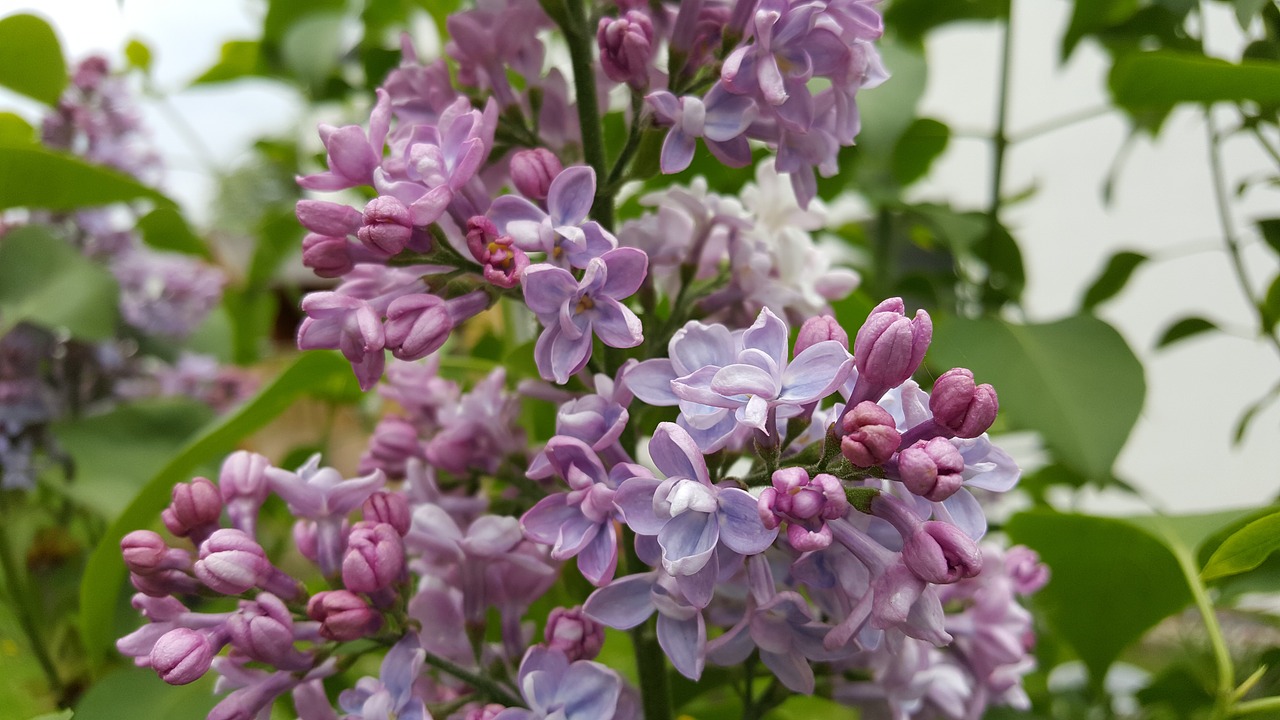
[
  {"x": 1221, "y": 655},
  {"x": 485, "y": 686},
  {"x": 651, "y": 664},
  {"x": 1267, "y": 704},
  {"x": 1000, "y": 144},
  {"x": 580, "y": 40}
]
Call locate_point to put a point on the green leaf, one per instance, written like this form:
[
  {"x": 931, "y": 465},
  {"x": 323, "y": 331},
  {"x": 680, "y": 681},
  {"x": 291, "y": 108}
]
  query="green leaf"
[
  {"x": 1245, "y": 549},
  {"x": 16, "y": 131},
  {"x": 912, "y": 19},
  {"x": 165, "y": 229},
  {"x": 807, "y": 707},
  {"x": 31, "y": 60},
  {"x": 1075, "y": 381},
  {"x": 1112, "y": 280},
  {"x": 919, "y": 146},
  {"x": 104, "y": 577},
  {"x": 36, "y": 177},
  {"x": 116, "y": 452},
  {"x": 1154, "y": 80},
  {"x": 1090, "y": 16},
  {"x": 146, "y": 695},
  {"x": 237, "y": 59},
  {"x": 1110, "y": 582},
  {"x": 43, "y": 280},
  {"x": 138, "y": 55},
  {"x": 312, "y": 46},
  {"x": 1183, "y": 329},
  {"x": 60, "y": 715},
  {"x": 1270, "y": 230},
  {"x": 1271, "y": 306}
]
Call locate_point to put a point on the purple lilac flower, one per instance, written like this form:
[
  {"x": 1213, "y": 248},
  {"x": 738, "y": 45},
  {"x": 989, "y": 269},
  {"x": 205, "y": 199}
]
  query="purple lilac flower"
[
  {"x": 353, "y": 154},
  {"x": 557, "y": 689},
  {"x": 761, "y": 384},
  {"x": 682, "y": 630},
  {"x": 573, "y": 311},
  {"x": 805, "y": 504},
  {"x": 787, "y": 635},
  {"x": 390, "y": 695},
  {"x": 488, "y": 40},
  {"x": 348, "y": 324},
  {"x": 165, "y": 293},
  {"x": 689, "y": 516},
  {"x": 720, "y": 119},
  {"x": 323, "y": 496},
  {"x": 563, "y": 231},
  {"x": 581, "y": 522},
  {"x": 597, "y": 420},
  {"x": 480, "y": 430}
]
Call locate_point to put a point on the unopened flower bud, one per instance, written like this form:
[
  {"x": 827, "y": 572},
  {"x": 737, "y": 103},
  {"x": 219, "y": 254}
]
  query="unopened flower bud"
[
  {"x": 263, "y": 630},
  {"x": 870, "y": 435},
  {"x": 195, "y": 509},
  {"x": 388, "y": 225},
  {"x": 931, "y": 469},
  {"x": 374, "y": 559},
  {"x": 1024, "y": 568},
  {"x": 806, "y": 504},
  {"x": 941, "y": 553},
  {"x": 343, "y": 615},
  {"x": 820, "y": 328},
  {"x": 182, "y": 655},
  {"x": 417, "y": 325},
  {"x": 503, "y": 262},
  {"x": 388, "y": 507},
  {"x": 163, "y": 583},
  {"x": 570, "y": 631},
  {"x": 145, "y": 553},
  {"x": 532, "y": 172},
  {"x": 393, "y": 443},
  {"x": 888, "y": 348},
  {"x": 327, "y": 256},
  {"x": 244, "y": 487},
  {"x": 626, "y": 48},
  {"x": 231, "y": 562},
  {"x": 961, "y": 406},
  {"x": 328, "y": 218}
]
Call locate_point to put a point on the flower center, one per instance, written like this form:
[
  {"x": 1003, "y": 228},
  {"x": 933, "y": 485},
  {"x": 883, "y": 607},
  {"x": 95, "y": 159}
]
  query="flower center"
[{"x": 584, "y": 303}]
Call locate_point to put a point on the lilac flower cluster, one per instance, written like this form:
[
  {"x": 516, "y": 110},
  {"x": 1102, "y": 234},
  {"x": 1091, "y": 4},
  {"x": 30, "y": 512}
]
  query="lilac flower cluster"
[{"x": 805, "y": 502}]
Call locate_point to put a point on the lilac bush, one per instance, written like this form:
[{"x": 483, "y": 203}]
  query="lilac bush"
[{"x": 805, "y": 503}]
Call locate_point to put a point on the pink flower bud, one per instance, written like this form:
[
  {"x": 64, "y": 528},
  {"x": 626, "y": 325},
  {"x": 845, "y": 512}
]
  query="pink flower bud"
[
  {"x": 244, "y": 487},
  {"x": 626, "y": 48},
  {"x": 146, "y": 553},
  {"x": 888, "y": 348},
  {"x": 388, "y": 507},
  {"x": 806, "y": 504},
  {"x": 931, "y": 469},
  {"x": 327, "y": 218},
  {"x": 388, "y": 225},
  {"x": 570, "y": 631},
  {"x": 343, "y": 615},
  {"x": 962, "y": 407},
  {"x": 328, "y": 257},
  {"x": 871, "y": 436},
  {"x": 417, "y": 325},
  {"x": 374, "y": 559},
  {"x": 818, "y": 329},
  {"x": 393, "y": 443},
  {"x": 263, "y": 630},
  {"x": 195, "y": 509},
  {"x": 532, "y": 172},
  {"x": 941, "y": 553},
  {"x": 231, "y": 562},
  {"x": 1024, "y": 568},
  {"x": 182, "y": 655}
]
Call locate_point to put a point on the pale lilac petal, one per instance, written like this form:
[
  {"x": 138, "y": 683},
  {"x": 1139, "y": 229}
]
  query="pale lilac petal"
[
  {"x": 513, "y": 208},
  {"x": 696, "y": 388},
  {"x": 754, "y": 414},
  {"x": 571, "y": 195},
  {"x": 688, "y": 541},
  {"x": 792, "y": 670},
  {"x": 741, "y": 379},
  {"x": 696, "y": 345},
  {"x": 635, "y": 499},
  {"x": 733, "y": 647},
  {"x": 547, "y": 288},
  {"x": 627, "y": 268},
  {"x": 569, "y": 355},
  {"x": 575, "y": 534},
  {"x": 676, "y": 455},
  {"x": 589, "y": 691},
  {"x": 815, "y": 373},
  {"x": 599, "y": 559},
  {"x": 963, "y": 510},
  {"x": 624, "y": 603},
  {"x": 542, "y": 522},
  {"x": 616, "y": 325},
  {"x": 772, "y": 85},
  {"x": 740, "y": 527},
  {"x": 768, "y": 334},
  {"x": 567, "y": 452},
  {"x": 684, "y": 642},
  {"x": 728, "y": 115},
  {"x": 666, "y": 107},
  {"x": 677, "y": 151},
  {"x": 699, "y": 587},
  {"x": 734, "y": 152},
  {"x": 651, "y": 382},
  {"x": 797, "y": 109}
]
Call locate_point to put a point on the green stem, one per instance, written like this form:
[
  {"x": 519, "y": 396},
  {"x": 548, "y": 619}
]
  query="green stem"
[
  {"x": 1059, "y": 123},
  {"x": 633, "y": 143},
  {"x": 581, "y": 40},
  {"x": 1269, "y": 704},
  {"x": 1226, "y": 681},
  {"x": 1228, "y": 231},
  {"x": 22, "y": 601},
  {"x": 651, "y": 663},
  {"x": 485, "y": 686},
  {"x": 1000, "y": 138}
]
